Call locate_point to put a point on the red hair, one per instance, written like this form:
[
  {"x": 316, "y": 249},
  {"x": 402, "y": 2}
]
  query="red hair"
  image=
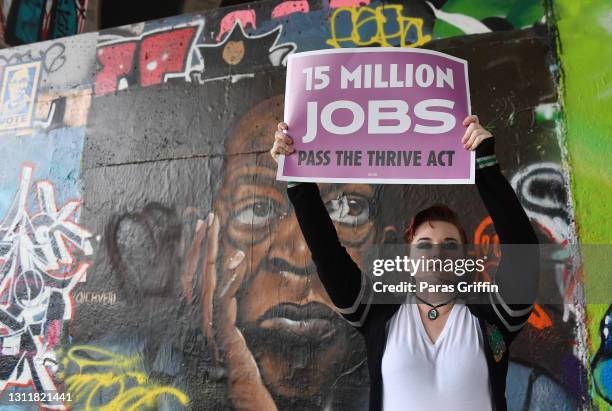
[{"x": 437, "y": 212}]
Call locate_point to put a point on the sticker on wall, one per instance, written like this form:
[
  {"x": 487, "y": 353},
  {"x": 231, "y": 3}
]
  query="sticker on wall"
[{"x": 19, "y": 86}]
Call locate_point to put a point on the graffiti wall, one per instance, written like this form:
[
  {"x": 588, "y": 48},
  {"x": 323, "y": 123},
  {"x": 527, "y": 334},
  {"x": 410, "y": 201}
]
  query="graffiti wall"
[
  {"x": 45, "y": 252},
  {"x": 145, "y": 241}
]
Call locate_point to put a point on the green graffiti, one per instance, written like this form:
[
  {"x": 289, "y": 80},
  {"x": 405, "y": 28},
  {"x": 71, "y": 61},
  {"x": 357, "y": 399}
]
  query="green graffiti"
[
  {"x": 585, "y": 31},
  {"x": 518, "y": 13}
]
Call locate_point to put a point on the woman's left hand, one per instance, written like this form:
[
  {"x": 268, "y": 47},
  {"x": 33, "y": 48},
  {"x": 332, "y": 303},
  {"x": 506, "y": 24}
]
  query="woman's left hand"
[{"x": 475, "y": 133}]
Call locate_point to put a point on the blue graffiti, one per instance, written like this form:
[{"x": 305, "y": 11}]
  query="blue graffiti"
[
  {"x": 602, "y": 363},
  {"x": 530, "y": 388}
]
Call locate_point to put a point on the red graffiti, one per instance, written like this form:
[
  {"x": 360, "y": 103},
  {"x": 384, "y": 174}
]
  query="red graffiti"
[
  {"x": 54, "y": 331},
  {"x": 243, "y": 17},
  {"x": 539, "y": 319},
  {"x": 159, "y": 54},
  {"x": 486, "y": 238},
  {"x": 290, "y": 7},
  {"x": 163, "y": 53},
  {"x": 486, "y": 244},
  {"x": 334, "y": 4},
  {"x": 116, "y": 61}
]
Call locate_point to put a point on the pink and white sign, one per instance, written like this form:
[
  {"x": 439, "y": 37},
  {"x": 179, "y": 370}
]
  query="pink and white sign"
[{"x": 380, "y": 115}]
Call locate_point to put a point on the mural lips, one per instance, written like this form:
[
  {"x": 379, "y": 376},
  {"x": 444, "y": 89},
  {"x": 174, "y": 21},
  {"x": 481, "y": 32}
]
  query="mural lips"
[{"x": 311, "y": 321}]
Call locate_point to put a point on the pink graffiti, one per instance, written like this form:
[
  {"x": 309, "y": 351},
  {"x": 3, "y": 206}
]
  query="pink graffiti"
[
  {"x": 243, "y": 17},
  {"x": 290, "y": 7},
  {"x": 334, "y": 4},
  {"x": 54, "y": 331}
]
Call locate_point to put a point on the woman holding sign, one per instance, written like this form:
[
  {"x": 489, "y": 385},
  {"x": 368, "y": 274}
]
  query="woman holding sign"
[{"x": 433, "y": 355}]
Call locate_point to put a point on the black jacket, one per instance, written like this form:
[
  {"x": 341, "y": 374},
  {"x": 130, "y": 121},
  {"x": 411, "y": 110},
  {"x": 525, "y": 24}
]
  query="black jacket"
[{"x": 350, "y": 290}]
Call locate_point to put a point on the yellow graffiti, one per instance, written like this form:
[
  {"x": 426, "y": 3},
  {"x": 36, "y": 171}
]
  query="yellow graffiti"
[
  {"x": 380, "y": 15},
  {"x": 115, "y": 376}
]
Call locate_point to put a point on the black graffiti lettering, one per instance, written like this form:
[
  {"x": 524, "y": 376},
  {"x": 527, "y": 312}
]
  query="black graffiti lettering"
[{"x": 52, "y": 59}]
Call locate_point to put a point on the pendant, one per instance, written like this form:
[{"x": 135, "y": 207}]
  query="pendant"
[{"x": 432, "y": 314}]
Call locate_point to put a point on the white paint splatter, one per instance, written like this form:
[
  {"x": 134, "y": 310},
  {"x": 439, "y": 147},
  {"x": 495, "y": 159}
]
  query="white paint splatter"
[
  {"x": 547, "y": 111},
  {"x": 467, "y": 24}
]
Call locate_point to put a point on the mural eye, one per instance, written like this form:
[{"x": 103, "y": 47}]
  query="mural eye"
[
  {"x": 260, "y": 212},
  {"x": 351, "y": 210}
]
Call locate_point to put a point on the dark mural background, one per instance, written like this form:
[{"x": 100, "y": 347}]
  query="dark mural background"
[{"x": 155, "y": 240}]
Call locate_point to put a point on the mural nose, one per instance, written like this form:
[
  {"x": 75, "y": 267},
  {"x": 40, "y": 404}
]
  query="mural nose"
[
  {"x": 280, "y": 265},
  {"x": 289, "y": 243}
]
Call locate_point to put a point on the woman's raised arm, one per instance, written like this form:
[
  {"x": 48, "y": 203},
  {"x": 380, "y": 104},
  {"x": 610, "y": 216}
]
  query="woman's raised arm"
[
  {"x": 517, "y": 273},
  {"x": 343, "y": 280}
]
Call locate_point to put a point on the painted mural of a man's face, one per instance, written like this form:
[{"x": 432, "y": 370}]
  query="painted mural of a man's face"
[{"x": 300, "y": 344}]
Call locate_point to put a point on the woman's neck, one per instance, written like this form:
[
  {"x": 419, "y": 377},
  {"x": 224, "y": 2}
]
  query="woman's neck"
[
  {"x": 442, "y": 311},
  {"x": 435, "y": 298}
]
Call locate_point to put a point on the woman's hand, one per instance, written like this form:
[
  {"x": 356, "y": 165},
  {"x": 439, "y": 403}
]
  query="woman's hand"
[
  {"x": 282, "y": 142},
  {"x": 475, "y": 133}
]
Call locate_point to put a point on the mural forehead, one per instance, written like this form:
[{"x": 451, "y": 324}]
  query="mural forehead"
[{"x": 165, "y": 268}]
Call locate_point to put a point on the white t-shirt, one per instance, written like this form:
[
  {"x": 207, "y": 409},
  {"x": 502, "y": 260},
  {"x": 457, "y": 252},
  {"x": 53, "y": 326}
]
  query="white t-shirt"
[{"x": 451, "y": 374}]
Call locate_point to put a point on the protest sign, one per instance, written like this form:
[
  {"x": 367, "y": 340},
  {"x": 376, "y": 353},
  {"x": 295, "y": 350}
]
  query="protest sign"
[{"x": 377, "y": 115}]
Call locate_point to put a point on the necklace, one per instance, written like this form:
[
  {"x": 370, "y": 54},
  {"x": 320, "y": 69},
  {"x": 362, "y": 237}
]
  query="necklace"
[{"x": 433, "y": 313}]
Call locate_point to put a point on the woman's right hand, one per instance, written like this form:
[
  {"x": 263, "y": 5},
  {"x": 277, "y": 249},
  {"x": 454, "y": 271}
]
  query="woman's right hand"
[{"x": 282, "y": 142}]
